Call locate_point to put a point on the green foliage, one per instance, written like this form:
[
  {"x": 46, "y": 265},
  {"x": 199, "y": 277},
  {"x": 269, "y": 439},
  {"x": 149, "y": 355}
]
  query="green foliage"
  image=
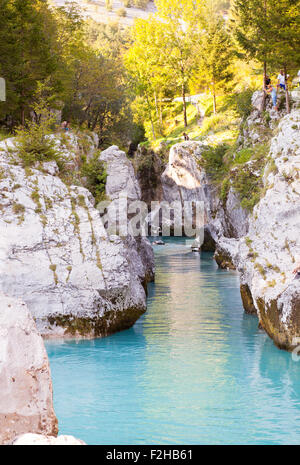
[
  {"x": 212, "y": 160},
  {"x": 241, "y": 102},
  {"x": 247, "y": 177},
  {"x": 244, "y": 155},
  {"x": 28, "y": 54},
  {"x": 34, "y": 143},
  {"x": 215, "y": 54},
  {"x": 95, "y": 174}
]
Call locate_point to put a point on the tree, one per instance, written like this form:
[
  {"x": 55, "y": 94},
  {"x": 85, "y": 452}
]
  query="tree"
[
  {"x": 252, "y": 30},
  {"x": 285, "y": 20},
  {"x": 26, "y": 56},
  {"x": 268, "y": 31},
  {"x": 145, "y": 63},
  {"x": 181, "y": 29},
  {"x": 215, "y": 53}
]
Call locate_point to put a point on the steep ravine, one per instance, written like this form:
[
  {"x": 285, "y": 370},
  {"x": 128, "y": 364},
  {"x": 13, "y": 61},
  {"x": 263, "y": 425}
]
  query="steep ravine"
[
  {"x": 61, "y": 275},
  {"x": 264, "y": 245}
]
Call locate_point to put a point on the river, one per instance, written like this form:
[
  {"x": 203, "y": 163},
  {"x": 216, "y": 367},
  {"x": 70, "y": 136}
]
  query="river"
[{"x": 194, "y": 369}]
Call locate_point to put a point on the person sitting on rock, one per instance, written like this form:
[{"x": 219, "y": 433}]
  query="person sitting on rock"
[
  {"x": 267, "y": 82},
  {"x": 272, "y": 91}
]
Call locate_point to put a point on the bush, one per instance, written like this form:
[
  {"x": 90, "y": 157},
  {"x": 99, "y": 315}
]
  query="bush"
[
  {"x": 33, "y": 141},
  {"x": 142, "y": 4},
  {"x": 247, "y": 180},
  {"x": 212, "y": 161},
  {"x": 126, "y": 3},
  {"x": 241, "y": 102},
  {"x": 121, "y": 12},
  {"x": 95, "y": 174},
  {"x": 243, "y": 155}
]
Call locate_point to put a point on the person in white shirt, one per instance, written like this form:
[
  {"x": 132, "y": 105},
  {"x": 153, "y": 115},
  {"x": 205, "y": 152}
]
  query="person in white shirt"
[{"x": 281, "y": 80}]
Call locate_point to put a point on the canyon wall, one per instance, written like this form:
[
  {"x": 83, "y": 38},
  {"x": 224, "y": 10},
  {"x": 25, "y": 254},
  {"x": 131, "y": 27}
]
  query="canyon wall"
[
  {"x": 55, "y": 253},
  {"x": 263, "y": 244}
]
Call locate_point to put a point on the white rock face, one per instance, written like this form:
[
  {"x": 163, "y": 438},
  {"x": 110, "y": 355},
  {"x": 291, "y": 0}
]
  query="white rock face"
[
  {"x": 184, "y": 180},
  {"x": 42, "y": 440},
  {"x": 25, "y": 381},
  {"x": 56, "y": 255},
  {"x": 121, "y": 182},
  {"x": 271, "y": 250},
  {"x": 121, "y": 177},
  {"x": 264, "y": 246}
]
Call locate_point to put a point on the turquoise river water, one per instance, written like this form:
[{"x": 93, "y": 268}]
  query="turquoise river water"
[{"x": 193, "y": 370}]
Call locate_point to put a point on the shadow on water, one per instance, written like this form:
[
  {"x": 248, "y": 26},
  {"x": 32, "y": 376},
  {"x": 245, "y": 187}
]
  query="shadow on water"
[{"x": 193, "y": 370}]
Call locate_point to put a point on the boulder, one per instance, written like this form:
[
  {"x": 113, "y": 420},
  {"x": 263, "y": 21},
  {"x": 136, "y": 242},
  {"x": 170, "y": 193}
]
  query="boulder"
[
  {"x": 25, "y": 382},
  {"x": 56, "y": 254},
  {"x": 31, "y": 439}
]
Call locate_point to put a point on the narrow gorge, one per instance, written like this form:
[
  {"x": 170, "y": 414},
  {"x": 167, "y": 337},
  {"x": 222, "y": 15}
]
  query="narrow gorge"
[{"x": 64, "y": 274}]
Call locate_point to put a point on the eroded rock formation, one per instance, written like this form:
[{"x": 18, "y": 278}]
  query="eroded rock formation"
[
  {"x": 25, "y": 381},
  {"x": 263, "y": 246},
  {"x": 56, "y": 255}
]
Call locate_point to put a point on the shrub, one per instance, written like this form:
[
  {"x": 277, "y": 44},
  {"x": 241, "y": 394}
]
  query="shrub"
[
  {"x": 18, "y": 208},
  {"x": 248, "y": 185},
  {"x": 244, "y": 155},
  {"x": 212, "y": 161},
  {"x": 142, "y": 4},
  {"x": 241, "y": 102},
  {"x": 121, "y": 12},
  {"x": 95, "y": 174},
  {"x": 33, "y": 141}
]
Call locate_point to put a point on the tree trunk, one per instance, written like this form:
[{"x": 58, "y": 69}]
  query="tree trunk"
[
  {"x": 151, "y": 119},
  {"x": 214, "y": 99},
  {"x": 160, "y": 112},
  {"x": 22, "y": 115},
  {"x": 287, "y": 100},
  {"x": 263, "y": 102},
  {"x": 184, "y": 105}
]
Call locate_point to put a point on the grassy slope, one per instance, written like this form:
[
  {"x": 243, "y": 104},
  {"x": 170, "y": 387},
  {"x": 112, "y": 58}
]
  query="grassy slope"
[{"x": 222, "y": 127}]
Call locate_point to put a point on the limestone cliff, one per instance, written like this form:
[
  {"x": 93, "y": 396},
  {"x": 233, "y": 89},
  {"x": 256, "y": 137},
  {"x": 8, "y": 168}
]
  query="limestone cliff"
[
  {"x": 55, "y": 254},
  {"x": 263, "y": 245},
  {"x": 25, "y": 381}
]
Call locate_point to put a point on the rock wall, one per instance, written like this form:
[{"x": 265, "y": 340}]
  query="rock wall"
[
  {"x": 56, "y": 255},
  {"x": 149, "y": 168},
  {"x": 25, "y": 381},
  {"x": 185, "y": 180},
  {"x": 270, "y": 251},
  {"x": 263, "y": 246}
]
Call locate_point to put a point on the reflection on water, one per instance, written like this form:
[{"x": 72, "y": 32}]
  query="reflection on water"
[{"x": 193, "y": 370}]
